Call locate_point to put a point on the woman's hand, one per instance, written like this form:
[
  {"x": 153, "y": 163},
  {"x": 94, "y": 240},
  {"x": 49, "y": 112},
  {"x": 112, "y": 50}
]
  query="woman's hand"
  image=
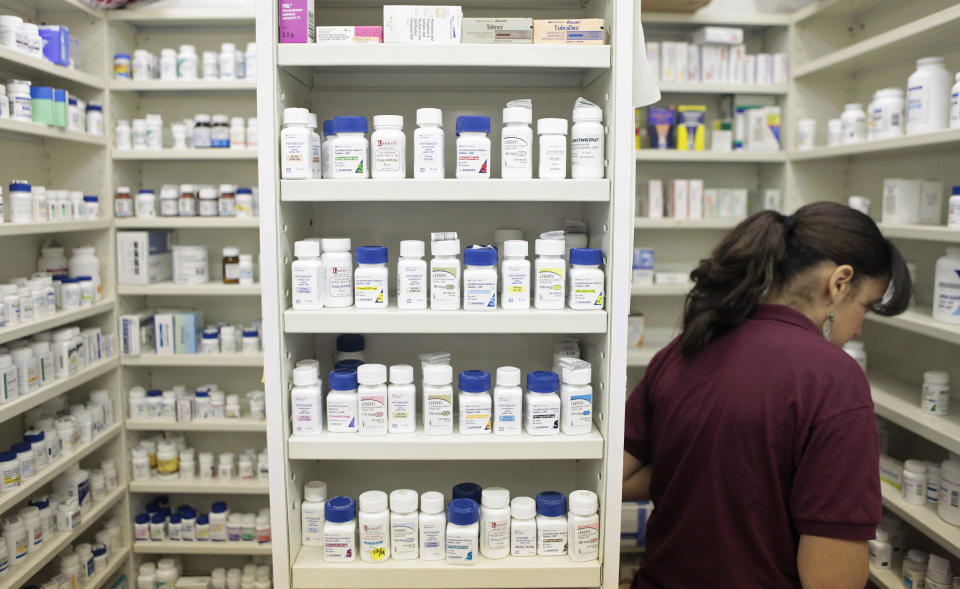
[{"x": 636, "y": 479}]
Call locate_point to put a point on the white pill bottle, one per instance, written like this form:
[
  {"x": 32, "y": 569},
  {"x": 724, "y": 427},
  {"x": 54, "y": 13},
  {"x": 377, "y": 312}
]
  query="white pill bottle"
[{"x": 586, "y": 141}]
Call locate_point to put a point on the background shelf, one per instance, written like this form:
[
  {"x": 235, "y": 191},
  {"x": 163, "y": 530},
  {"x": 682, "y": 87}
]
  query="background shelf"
[
  {"x": 209, "y": 425},
  {"x": 232, "y": 487},
  {"x": 188, "y": 223},
  {"x": 448, "y": 190},
  {"x": 393, "y": 320},
  {"x": 159, "y": 289},
  {"x": 208, "y": 547},
  {"x": 58, "y": 319},
  {"x": 208, "y": 360}
]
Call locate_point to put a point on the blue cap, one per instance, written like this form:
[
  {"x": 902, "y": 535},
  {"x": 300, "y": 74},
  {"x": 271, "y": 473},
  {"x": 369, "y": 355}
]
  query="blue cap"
[
  {"x": 201, "y": 393},
  {"x": 70, "y": 280},
  {"x": 586, "y": 256},
  {"x": 20, "y": 447},
  {"x": 90, "y": 198},
  {"x": 142, "y": 519},
  {"x": 99, "y": 551},
  {"x": 19, "y": 186},
  {"x": 250, "y": 332},
  {"x": 41, "y": 92},
  {"x": 474, "y": 381},
  {"x": 165, "y": 512},
  {"x": 60, "y": 276},
  {"x": 480, "y": 255},
  {"x": 340, "y": 510},
  {"x": 463, "y": 511},
  {"x": 7, "y": 456},
  {"x": 145, "y": 191},
  {"x": 121, "y": 56},
  {"x": 154, "y": 393},
  {"x": 468, "y": 491},
  {"x": 350, "y": 342},
  {"x": 187, "y": 512},
  {"x": 83, "y": 278},
  {"x": 94, "y": 107},
  {"x": 59, "y": 95},
  {"x": 210, "y": 333},
  {"x": 956, "y": 190},
  {"x": 152, "y": 508},
  {"x": 32, "y": 438},
  {"x": 328, "y": 129},
  {"x": 350, "y": 125},
  {"x": 371, "y": 254},
  {"x": 473, "y": 123},
  {"x": 348, "y": 364},
  {"x": 39, "y": 502},
  {"x": 342, "y": 380},
  {"x": 244, "y": 191},
  {"x": 158, "y": 518},
  {"x": 175, "y": 518},
  {"x": 551, "y": 504},
  {"x": 72, "y": 101},
  {"x": 203, "y": 520},
  {"x": 541, "y": 381},
  {"x": 218, "y": 507}
]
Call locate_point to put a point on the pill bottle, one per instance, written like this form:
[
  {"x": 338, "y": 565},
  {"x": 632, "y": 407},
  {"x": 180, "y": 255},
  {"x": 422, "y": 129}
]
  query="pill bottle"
[
  {"x": 326, "y": 149},
  {"x": 374, "y": 526},
  {"x": 586, "y": 141},
  {"x": 307, "y": 276},
  {"x": 250, "y": 61},
  {"x": 370, "y": 281},
  {"x": 473, "y": 147},
  {"x": 340, "y": 530},
  {"x": 463, "y": 532},
  {"x": 475, "y": 404},
  {"x": 350, "y": 148},
  {"x": 372, "y": 400},
  {"x": 939, "y": 575},
  {"x": 523, "y": 527},
  {"x": 145, "y": 204},
  {"x": 949, "y": 490},
  {"x": 806, "y": 134},
  {"x": 389, "y": 144},
  {"x": 516, "y": 143},
  {"x": 428, "y": 144},
  {"x": 141, "y": 527},
  {"x": 437, "y": 399},
  {"x": 225, "y": 470},
  {"x": 124, "y": 135},
  {"x": 553, "y": 148},
  {"x": 585, "y": 291},
  {"x": 928, "y": 96},
  {"x": 220, "y": 132},
  {"x": 936, "y": 392},
  {"x": 550, "y": 274},
  {"x": 342, "y": 401},
  {"x": 20, "y": 202},
  {"x": 350, "y": 347},
  {"x": 507, "y": 402},
  {"x": 495, "y": 523},
  {"x": 411, "y": 276},
  {"x": 28, "y": 369},
  {"x": 188, "y": 523},
  {"x": 234, "y": 527},
  {"x": 295, "y": 144},
  {"x": 946, "y": 304},
  {"x": 888, "y": 121},
  {"x": 403, "y": 524},
  {"x": 515, "y": 292},
  {"x": 168, "y": 64},
  {"x": 209, "y": 66},
  {"x": 834, "y": 132},
  {"x": 954, "y": 121},
  {"x": 238, "y": 136},
  {"x": 445, "y": 275},
  {"x": 187, "y": 63},
  {"x": 252, "y": 133},
  {"x": 433, "y": 524},
  {"x": 9, "y": 472},
  {"x": 188, "y": 200},
  {"x": 337, "y": 272},
  {"x": 915, "y": 568},
  {"x": 9, "y": 388},
  {"x": 854, "y": 121},
  {"x": 169, "y": 200},
  {"x": 583, "y": 526},
  {"x": 306, "y": 402},
  {"x": 227, "y": 200},
  {"x": 20, "y": 101},
  {"x": 218, "y": 519},
  {"x": 914, "y": 485},
  {"x": 231, "y": 265},
  {"x": 227, "y": 61},
  {"x": 203, "y": 528},
  {"x": 316, "y": 166},
  {"x": 154, "y": 131},
  {"x": 551, "y": 524},
  {"x": 402, "y": 400},
  {"x": 44, "y": 356},
  {"x": 480, "y": 278},
  {"x": 542, "y": 404},
  {"x": 953, "y": 208},
  {"x": 207, "y": 206},
  {"x": 312, "y": 512},
  {"x": 95, "y": 118},
  {"x": 933, "y": 482}
]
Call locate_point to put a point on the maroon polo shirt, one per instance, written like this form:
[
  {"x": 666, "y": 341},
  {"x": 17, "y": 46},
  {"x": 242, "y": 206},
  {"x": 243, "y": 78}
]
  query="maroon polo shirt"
[{"x": 766, "y": 434}]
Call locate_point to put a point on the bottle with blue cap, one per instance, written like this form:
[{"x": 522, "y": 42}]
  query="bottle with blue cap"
[
  {"x": 350, "y": 346},
  {"x": 326, "y": 149},
  {"x": 370, "y": 290},
  {"x": 476, "y": 407},
  {"x": 342, "y": 401},
  {"x": 542, "y": 404},
  {"x": 351, "y": 150},
  {"x": 340, "y": 530},
  {"x": 551, "y": 524},
  {"x": 586, "y": 279},
  {"x": 953, "y": 207},
  {"x": 480, "y": 278},
  {"x": 463, "y": 531},
  {"x": 473, "y": 147}
]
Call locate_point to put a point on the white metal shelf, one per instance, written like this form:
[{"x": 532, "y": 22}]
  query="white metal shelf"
[
  {"x": 18, "y": 575},
  {"x": 184, "y": 154},
  {"x": 185, "y": 17},
  {"x": 233, "y": 487},
  {"x": 56, "y": 388},
  {"x": 420, "y": 446},
  {"x": 52, "y": 470},
  {"x": 899, "y": 401},
  {"x": 209, "y": 289},
  {"x": 885, "y": 578},
  {"x": 447, "y": 190},
  {"x": 920, "y": 320},
  {"x": 208, "y": 425},
  {"x": 311, "y": 571},
  {"x": 661, "y": 290},
  {"x": 924, "y": 518},
  {"x": 238, "y": 360},
  {"x": 701, "y": 88},
  {"x": 18, "y": 229},
  {"x": 208, "y": 547},
  {"x": 696, "y": 19},
  {"x": 23, "y": 128},
  {"x": 393, "y": 320},
  {"x": 187, "y": 223},
  {"x": 56, "y": 320},
  {"x": 37, "y": 69},
  {"x": 922, "y": 232},
  {"x": 936, "y": 140},
  {"x": 711, "y": 157},
  {"x": 717, "y": 223},
  {"x": 167, "y": 86}
]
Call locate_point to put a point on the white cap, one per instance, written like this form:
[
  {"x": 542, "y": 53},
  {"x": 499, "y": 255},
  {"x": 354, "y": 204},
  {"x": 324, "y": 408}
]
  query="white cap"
[
  {"x": 373, "y": 501},
  {"x": 309, "y": 362},
  {"x": 307, "y": 248},
  {"x": 516, "y": 114},
  {"x": 411, "y": 248},
  {"x": 853, "y": 106},
  {"x": 431, "y": 501},
  {"x": 227, "y": 47},
  {"x": 582, "y": 502},
  {"x": 548, "y": 247},
  {"x": 936, "y": 377},
  {"x": 315, "y": 491},
  {"x": 403, "y": 500},
  {"x": 508, "y": 376},
  {"x": 495, "y": 497},
  {"x": 21, "y": 354},
  {"x": 401, "y": 374},
  {"x": 231, "y": 252},
  {"x": 445, "y": 248},
  {"x": 915, "y": 466},
  {"x": 304, "y": 375},
  {"x": 438, "y": 374},
  {"x": 518, "y": 248},
  {"x": 523, "y": 507},
  {"x": 371, "y": 374},
  {"x": 312, "y": 117},
  {"x": 583, "y": 112},
  {"x": 917, "y": 555},
  {"x": 335, "y": 244},
  {"x": 188, "y": 49},
  {"x": 428, "y": 116},
  {"x": 552, "y": 126},
  {"x": 296, "y": 116},
  {"x": 575, "y": 371},
  {"x": 388, "y": 121}
]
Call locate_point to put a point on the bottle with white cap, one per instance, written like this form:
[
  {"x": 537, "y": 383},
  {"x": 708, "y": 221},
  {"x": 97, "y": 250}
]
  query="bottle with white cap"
[
  {"x": 306, "y": 402},
  {"x": 374, "y": 526},
  {"x": 372, "y": 398},
  {"x": 880, "y": 550},
  {"x": 445, "y": 273},
  {"x": 553, "y": 148},
  {"x": 507, "y": 402},
  {"x": 576, "y": 397},
  {"x": 551, "y": 273},
  {"x": 586, "y": 141},
  {"x": 516, "y": 141},
  {"x": 402, "y": 400},
  {"x": 316, "y": 146},
  {"x": 515, "y": 271},
  {"x": 939, "y": 575},
  {"x": 495, "y": 522},
  {"x": 337, "y": 272},
  {"x": 312, "y": 512},
  {"x": 389, "y": 147},
  {"x": 307, "y": 276},
  {"x": 404, "y": 524},
  {"x": 411, "y": 276},
  {"x": 935, "y": 399},
  {"x": 583, "y": 526},
  {"x": 433, "y": 526},
  {"x": 437, "y": 399},
  {"x": 428, "y": 144},
  {"x": 523, "y": 527},
  {"x": 295, "y": 142}
]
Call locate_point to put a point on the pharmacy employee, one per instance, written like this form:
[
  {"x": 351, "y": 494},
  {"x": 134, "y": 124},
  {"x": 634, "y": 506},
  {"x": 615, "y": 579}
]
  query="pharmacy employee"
[{"x": 753, "y": 432}]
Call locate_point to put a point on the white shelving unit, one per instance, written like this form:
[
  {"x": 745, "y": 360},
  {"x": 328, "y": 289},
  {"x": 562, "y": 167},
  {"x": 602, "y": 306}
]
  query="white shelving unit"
[
  {"x": 212, "y": 486},
  {"x": 410, "y": 190},
  {"x": 202, "y": 548},
  {"x": 170, "y": 154}
]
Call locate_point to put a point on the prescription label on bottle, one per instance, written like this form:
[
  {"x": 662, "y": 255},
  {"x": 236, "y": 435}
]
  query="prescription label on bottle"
[
  {"x": 550, "y": 285},
  {"x": 472, "y": 161},
  {"x": 429, "y": 157},
  {"x": 588, "y": 540},
  {"x": 22, "y": 107},
  {"x": 307, "y": 288},
  {"x": 554, "y": 159},
  {"x": 461, "y": 549},
  {"x": 439, "y": 412},
  {"x": 387, "y": 155},
  {"x": 411, "y": 288},
  {"x": 337, "y": 547},
  {"x": 516, "y": 153},
  {"x": 432, "y": 541},
  {"x": 918, "y": 104},
  {"x": 586, "y": 293},
  {"x": 498, "y": 534},
  {"x": 401, "y": 412},
  {"x": 373, "y": 540},
  {"x": 936, "y": 399},
  {"x": 339, "y": 281},
  {"x": 295, "y": 158},
  {"x": 403, "y": 540},
  {"x": 444, "y": 284},
  {"x": 475, "y": 419},
  {"x": 341, "y": 416},
  {"x": 313, "y": 521},
  {"x": 349, "y": 161},
  {"x": 587, "y": 150},
  {"x": 369, "y": 291},
  {"x": 955, "y": 106},
  {"x": 553, "y": 541},
  {"x": 523, "y": 541},
  {"x": 11, "y": 477},
  {"x": 479, "y": 293},
  {"x": 508, "y": 422},
  {"x": 542, "y": 419},
  {"x": 373, "y": 412},
  {"x": 581, "y": 407}
]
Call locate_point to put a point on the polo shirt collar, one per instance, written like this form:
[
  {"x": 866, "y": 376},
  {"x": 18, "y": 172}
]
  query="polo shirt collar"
[{"x": 784, "y": 314}]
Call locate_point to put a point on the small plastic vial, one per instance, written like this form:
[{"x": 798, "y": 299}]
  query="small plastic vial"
[
  {"x": 583, "y": 526},
  {"x": 312, "y": 512},
  {"x": 295, "y": 140},
  {"x": 507, "y": 402},
  {"x": 480, "y": 278},
  {"x": 586, "y": 288},
  {"x": 523, "y": 527},
  {"x": 437, "y": 399},
  {"x": 340, "y": 530},
  {"x": 404, "y": 524},
  {"x": 542, "y": 404},
  {"x": 515, "y": 275},
  {"x": 337, "y": 272},
  {"x": 351, "y": 150},
  {"x": 586, "y": 141},
  {"x": 433, "y": 524},
  {"x": 463, "y": 532},
  {"x": 428, "y": 144},
  {"x": 370, "y": 281},
  {"x": 475, "y": 403},
  {"x": 551, "y": 524},
  {"x": 936, "y": 392},
  {"x": 372, "y": 399},
  {"x": 550, "y": 268},
  {"x": 342, "y": 401},
  {"x": 445, "y": 275},
  {"x": 516, "y": 141},
  {"x": 553, "y": 148},
  {"x": 402, "y": 400},
  {"x": 411, "y": 276},
  {"x": 495, "y": 523},
  {"x": 473, "y": 147},
  {"x": 389, "y": 144},
  {"x": 374, "y": 526},
  {"x": 306, "y": 402}
]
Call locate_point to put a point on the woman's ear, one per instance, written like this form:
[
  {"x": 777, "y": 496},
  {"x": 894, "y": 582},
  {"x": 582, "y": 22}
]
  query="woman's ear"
[{"x": 841, "y": 282}]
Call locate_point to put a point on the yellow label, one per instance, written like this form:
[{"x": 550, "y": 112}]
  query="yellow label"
[{"x": 378, "y": 553}]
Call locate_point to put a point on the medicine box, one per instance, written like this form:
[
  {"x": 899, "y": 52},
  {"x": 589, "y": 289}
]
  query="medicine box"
[
  {"x": 571, "y": 31},
  {"x": 633, "y": 522},
  {"x": 642, "y": 266},
  {"x": 163, "y": 332},
  {"x": 711, "y": 204},
  {"x": 144, "y": 257},
  {"x": 349, "y": 35},
  {"x": 653, "y": 59},
  {"x": 695, "y": 208},
  {"x": 56, "y": 44},
  {"x": 187, "y": 326},
  {"x": 891, "y": 470},
  {"x": 682, "y": 57},
  {"x": 193, "y": 583},
  {"x": 422, "y": 24},
  {"x": 901, "y": 201},
  {"x": 296, "y": 21},
  {"x": 136, "y": 333},
  {"x": 931, "y": 202},
  {"x": 655, "y": 199},
  {"x": 678, "y": 199},
  {"x": 718, "y": 35},
  {"x": 509, "y": 31}
]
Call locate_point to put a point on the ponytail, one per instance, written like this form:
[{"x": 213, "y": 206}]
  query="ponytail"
[{"x": 767, "y": 250}]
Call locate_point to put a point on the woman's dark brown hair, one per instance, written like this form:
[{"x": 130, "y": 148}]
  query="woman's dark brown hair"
[{"x": 767, "y": 250}]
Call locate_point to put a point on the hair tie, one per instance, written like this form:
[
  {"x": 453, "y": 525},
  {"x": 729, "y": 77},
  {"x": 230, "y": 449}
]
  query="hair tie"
[{"x": 789, "y": 223}]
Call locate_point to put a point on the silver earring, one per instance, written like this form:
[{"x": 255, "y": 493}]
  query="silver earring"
[{"x": 828, "y": 324}]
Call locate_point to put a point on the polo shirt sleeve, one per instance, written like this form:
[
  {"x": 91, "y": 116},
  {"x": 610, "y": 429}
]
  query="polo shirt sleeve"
[{"x": 836, "y": 488}]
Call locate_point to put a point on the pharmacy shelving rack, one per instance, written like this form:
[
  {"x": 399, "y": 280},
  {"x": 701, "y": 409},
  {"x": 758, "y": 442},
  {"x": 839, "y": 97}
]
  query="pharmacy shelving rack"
[{"x": 459, "y": 79}]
